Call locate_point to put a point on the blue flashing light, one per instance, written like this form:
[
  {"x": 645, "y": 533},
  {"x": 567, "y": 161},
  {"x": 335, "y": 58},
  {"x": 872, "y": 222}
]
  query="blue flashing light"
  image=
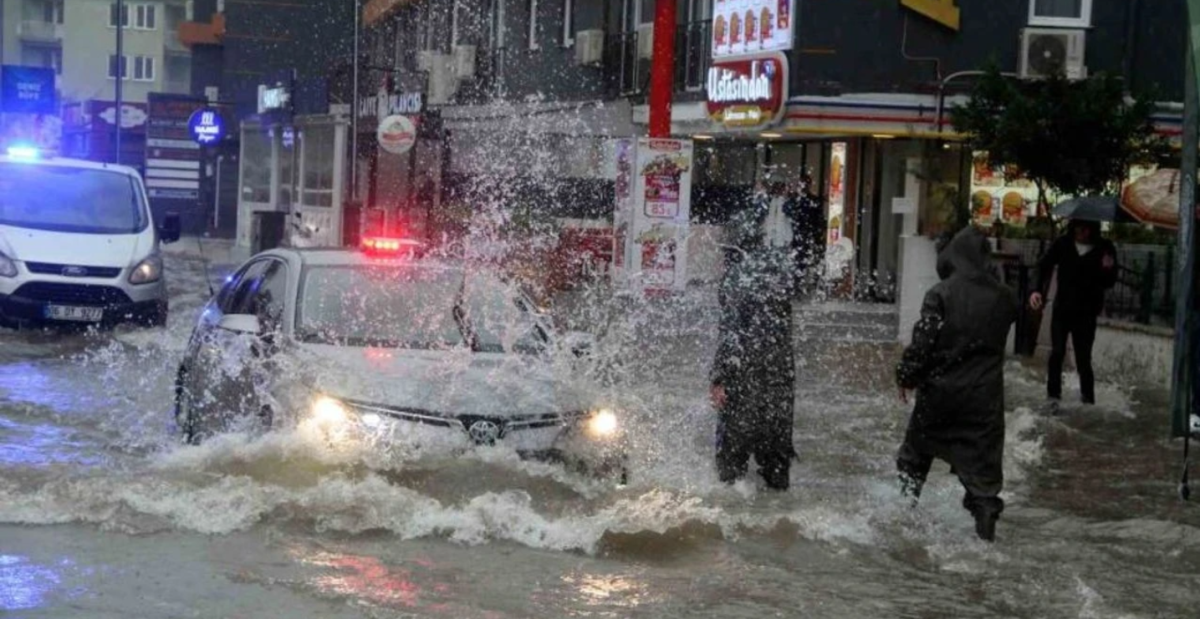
[{"x": 23, "y": 152}]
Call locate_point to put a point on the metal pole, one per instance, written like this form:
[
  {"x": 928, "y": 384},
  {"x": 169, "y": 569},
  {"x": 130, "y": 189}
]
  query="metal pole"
[
  {"x": 662, "y": 69},
  {"x": 354, "y": 109},
  {"x": 217, "y": 195},
  {"x": 1184, "y": 362},
  {"x": 120, "y": 74}
]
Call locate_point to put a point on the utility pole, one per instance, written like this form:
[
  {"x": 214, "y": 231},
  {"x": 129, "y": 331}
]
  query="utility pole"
[
  {"x": 354, "y": 107},
  {"x": 662, "y": 68},
  {"x": 120, "y": 74}
]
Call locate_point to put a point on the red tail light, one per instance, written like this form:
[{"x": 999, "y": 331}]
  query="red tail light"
[{"x": 384, "y": 245}]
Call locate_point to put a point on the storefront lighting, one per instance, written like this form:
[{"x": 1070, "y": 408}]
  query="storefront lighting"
[
  {"x": 883, "y": 136},
  {"x": 702, "y": 137},
  {"x": 772, "y": 136}
]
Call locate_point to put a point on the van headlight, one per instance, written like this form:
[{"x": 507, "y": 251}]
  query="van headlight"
[
  {"x": 147, "y": 271},
  {"x": 603, "y": 424},
  {"x": 8, "y": 268}
]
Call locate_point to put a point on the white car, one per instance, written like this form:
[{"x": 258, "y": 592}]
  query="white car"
[
  {"x": 379, "y": 344},
  {"x": 78, "y": 243}
]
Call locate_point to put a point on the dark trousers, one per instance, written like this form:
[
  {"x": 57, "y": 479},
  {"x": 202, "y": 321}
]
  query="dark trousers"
[
  {"x": 1081, "y": 328},
  {"x": 769, "y": 441},
  {"x": 982, "y": 496}
]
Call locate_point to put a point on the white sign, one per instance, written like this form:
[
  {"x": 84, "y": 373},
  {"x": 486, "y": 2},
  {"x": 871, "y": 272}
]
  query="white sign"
[
  {"x": 396, "y": 134},
  {"x": 752, "y": 26},
  {"x": 130, "y": 116},
  {"x": 270, "y": 99},
  {"x": 653, "y": 210},
  {"x": 383, "y": 104},
  {"x": 904, "y": 206}
]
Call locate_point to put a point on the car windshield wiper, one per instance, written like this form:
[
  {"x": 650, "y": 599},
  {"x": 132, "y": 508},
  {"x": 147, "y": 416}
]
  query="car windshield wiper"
[{"x": 460, "y": 318}]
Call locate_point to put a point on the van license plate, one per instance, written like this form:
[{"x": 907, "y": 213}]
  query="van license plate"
[{"x": 75, "y": 313}]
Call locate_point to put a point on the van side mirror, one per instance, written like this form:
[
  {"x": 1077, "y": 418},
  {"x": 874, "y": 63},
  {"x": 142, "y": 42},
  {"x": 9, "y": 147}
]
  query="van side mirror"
[
  {"x": 246, "y": 324},
  {"x": 171, "y": 228}
]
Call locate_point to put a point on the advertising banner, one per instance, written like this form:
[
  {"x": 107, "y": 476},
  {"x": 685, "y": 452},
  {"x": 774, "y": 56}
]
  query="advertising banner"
[
  {"x": 653, "y": 194},
  {"x": 27, "y": 90},
  {"x": 742, "y": 27},
  {"x": 173, "y": 162},
  {"x": 748, "y": 93}
]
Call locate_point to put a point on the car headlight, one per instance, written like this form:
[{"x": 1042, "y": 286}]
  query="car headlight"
[
  {"x": 603, "y": 423},
  {"x": 329, "y": 412},
  {"x": 147, "y": 271},
  {"x": 8, "y": 268}
]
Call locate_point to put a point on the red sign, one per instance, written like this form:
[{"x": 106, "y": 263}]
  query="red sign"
[{"x": 748, "y": 93}]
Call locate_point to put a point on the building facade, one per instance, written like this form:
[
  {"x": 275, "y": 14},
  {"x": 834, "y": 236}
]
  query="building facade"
[{"x": 536, "y": 89}]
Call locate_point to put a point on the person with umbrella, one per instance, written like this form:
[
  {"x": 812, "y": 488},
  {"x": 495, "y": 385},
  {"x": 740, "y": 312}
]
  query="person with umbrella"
[{"x": 1087, "y": 268}]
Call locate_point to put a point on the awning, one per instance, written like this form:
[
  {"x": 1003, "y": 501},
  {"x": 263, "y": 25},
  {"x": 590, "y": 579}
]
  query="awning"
[{"x": 376, "y": 10}]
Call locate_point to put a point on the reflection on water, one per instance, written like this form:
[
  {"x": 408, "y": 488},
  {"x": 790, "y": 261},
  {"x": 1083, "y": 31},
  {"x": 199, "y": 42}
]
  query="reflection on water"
[{"x": 23, "y": 584}]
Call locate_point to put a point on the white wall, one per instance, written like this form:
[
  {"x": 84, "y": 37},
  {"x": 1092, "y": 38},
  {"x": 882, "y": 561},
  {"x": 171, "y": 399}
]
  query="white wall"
[{"x": 918, "y": 273}]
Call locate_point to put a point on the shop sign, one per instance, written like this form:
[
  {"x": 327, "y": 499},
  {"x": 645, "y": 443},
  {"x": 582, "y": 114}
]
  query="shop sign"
[
  {"x": 944, "y": 12},
  {"x": 742, "y": 27},
  {"x": 206, "y": 126},
  {"x": 748, "y": 93},
  {"x": 397, "y": 134},
  {"x": 27, "y": 90},
  {"x": 383, "y": 105},
  {"x": 131, "y": 116},
  {"x": 653, "y": 209},
  {"x": 273, "y": 98}
]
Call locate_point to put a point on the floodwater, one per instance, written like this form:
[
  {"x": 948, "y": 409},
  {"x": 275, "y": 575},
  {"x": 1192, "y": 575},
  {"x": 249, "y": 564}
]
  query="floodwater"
[{"x": 102, "y": 514}]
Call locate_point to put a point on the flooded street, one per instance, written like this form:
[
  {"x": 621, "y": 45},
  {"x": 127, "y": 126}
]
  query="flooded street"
[{"x": 104, "y": 514}]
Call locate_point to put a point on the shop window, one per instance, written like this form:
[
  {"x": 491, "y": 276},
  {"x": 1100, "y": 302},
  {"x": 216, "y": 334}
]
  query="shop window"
[
  {"x": 256, "y": 166},
  {"x": 317, "y": 162},
  {"x": 1060, "y": 13}
]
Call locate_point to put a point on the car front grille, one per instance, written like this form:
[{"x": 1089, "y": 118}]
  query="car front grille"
[
  {"x": 72, "y": 270},
  {"x": 72, "y": 294}
]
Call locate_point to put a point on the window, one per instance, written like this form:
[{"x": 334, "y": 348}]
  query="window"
[
  {"x": 112, "y": 66},
  {"x": 146, "y": 18},
  {"x": 1061, "y": 13},
  {"x": 143, "y": 69},
  {"x": 533, "y": 25},
  {"x": 52, "y": 11},
  {"x": 568, "y": 36}
]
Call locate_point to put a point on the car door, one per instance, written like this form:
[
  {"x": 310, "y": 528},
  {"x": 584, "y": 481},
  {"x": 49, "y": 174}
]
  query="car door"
[{"x": 220, "y": 382}]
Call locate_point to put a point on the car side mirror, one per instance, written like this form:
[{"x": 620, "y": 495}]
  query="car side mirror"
[
  {"x": 171, "y": 228},
  {"x": 246, "y": 324}
]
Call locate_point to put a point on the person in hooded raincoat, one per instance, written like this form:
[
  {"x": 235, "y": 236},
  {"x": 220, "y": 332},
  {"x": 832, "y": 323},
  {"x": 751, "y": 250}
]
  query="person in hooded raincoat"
[
  {"x": 1087, "y": 267},
  {"x": 956, "y": 365},
  {"x": 753, "y": 373}
]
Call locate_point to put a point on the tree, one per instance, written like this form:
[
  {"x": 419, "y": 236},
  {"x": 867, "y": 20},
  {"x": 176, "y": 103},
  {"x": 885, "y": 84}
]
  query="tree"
[{"x": 1076, "y": 137}]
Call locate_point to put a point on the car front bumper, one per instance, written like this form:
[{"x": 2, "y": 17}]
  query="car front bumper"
[{"x": 28, "y": 300}]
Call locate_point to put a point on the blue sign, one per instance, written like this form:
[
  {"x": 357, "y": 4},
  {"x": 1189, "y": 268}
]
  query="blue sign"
[
  {"x": 206, "y": 126},
  {"x": 27, "y": 90}
]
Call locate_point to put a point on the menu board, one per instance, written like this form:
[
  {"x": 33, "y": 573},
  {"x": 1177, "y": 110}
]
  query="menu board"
[
  {"x": 1000, "y": 193},
  {"x": 743, "y": 27}
]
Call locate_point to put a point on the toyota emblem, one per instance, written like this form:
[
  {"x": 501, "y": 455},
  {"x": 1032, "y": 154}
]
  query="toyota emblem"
[{"x": 484, "y": 432}]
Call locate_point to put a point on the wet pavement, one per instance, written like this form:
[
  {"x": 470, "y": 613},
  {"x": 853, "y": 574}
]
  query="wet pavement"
[{"x": 103, "y": 514}]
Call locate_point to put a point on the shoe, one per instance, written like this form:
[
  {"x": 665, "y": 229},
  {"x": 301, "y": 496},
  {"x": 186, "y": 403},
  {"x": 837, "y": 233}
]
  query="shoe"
[{"x": 985, "y": 524}]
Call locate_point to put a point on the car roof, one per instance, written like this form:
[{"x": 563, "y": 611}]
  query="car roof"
[
  {"x": 66, "y": 162},
  {"x": 346, "y": 256}
]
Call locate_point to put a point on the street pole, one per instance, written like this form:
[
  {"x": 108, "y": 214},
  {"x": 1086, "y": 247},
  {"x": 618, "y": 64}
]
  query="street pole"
[
  {"x": 362, "y": 212},
  {"x": 662, "y": 68},
  {"x": 120, "y": 73}
]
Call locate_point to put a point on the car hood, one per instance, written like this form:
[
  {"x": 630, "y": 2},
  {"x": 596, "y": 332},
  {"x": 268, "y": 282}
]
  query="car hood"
[
  {"x": 449, "y": 383},
  {"x": 96, "y": 250}
]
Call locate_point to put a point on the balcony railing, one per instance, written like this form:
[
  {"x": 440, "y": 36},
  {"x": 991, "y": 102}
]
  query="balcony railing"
[
  {"x": 39, "y": 30},
  {"x": 629, "y": 74}
]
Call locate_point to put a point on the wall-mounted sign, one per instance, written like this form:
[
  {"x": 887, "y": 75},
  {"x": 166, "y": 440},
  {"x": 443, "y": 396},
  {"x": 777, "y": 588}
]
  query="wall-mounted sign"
[
  {"x": 27, "y": 90},
  {"x": 748, "y": 93},
  {"x": 131, "y": 116},
  {"x": 384, "y": 105},
  {"x": 397, "y": 134},
  {"x": 743, "y": 27},
  {"x": 206, "y": 126},
  {"x": 944, "y": 12},
  {"x": 273, "y": 98},
  {"x": 653, "y": 210}
]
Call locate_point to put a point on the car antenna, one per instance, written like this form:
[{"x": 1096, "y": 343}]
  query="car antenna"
[{"x": 204, "y": 263}]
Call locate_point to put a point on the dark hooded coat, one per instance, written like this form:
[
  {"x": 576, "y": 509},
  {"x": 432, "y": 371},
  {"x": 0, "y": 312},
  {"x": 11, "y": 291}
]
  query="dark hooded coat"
[
  {"x": 755, "y": 362},
  {"x": 956, "y": 365}
]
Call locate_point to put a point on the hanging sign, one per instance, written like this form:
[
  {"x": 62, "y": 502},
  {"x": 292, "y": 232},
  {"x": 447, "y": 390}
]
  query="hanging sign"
[
  {"x": 206, "y": 126},
  {"x": 653, "y": 210},
  {"x": 396, "y": 134},
  {"x": 748, "y": 93}
]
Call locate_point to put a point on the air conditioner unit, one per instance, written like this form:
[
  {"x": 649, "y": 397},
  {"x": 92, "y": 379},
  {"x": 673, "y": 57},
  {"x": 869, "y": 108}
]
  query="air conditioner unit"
[
  {"x": 443, "y": 83},
  {"x": 645, "y": 41},
  {"x": 464, "y": 61},
  {"x": 1046, "y": 51},
  {"x": 589, "y": 47},
  {"x": 425, "y": 60}
]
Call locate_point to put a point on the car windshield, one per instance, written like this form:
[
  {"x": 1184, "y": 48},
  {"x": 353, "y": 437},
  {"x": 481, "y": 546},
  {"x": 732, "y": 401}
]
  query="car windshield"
[
  {"x": 412, "y": 307},
  {"x": 66, "y": 199}
]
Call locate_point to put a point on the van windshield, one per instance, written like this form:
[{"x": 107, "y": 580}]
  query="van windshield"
[{"x": 66, "y": 199}]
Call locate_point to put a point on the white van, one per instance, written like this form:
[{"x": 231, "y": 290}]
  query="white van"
[{"x": 78, "y": 244}]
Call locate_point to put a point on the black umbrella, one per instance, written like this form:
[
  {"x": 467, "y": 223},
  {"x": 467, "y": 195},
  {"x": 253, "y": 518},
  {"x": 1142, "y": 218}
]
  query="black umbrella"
[{"x": 1093, "y": 208}]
